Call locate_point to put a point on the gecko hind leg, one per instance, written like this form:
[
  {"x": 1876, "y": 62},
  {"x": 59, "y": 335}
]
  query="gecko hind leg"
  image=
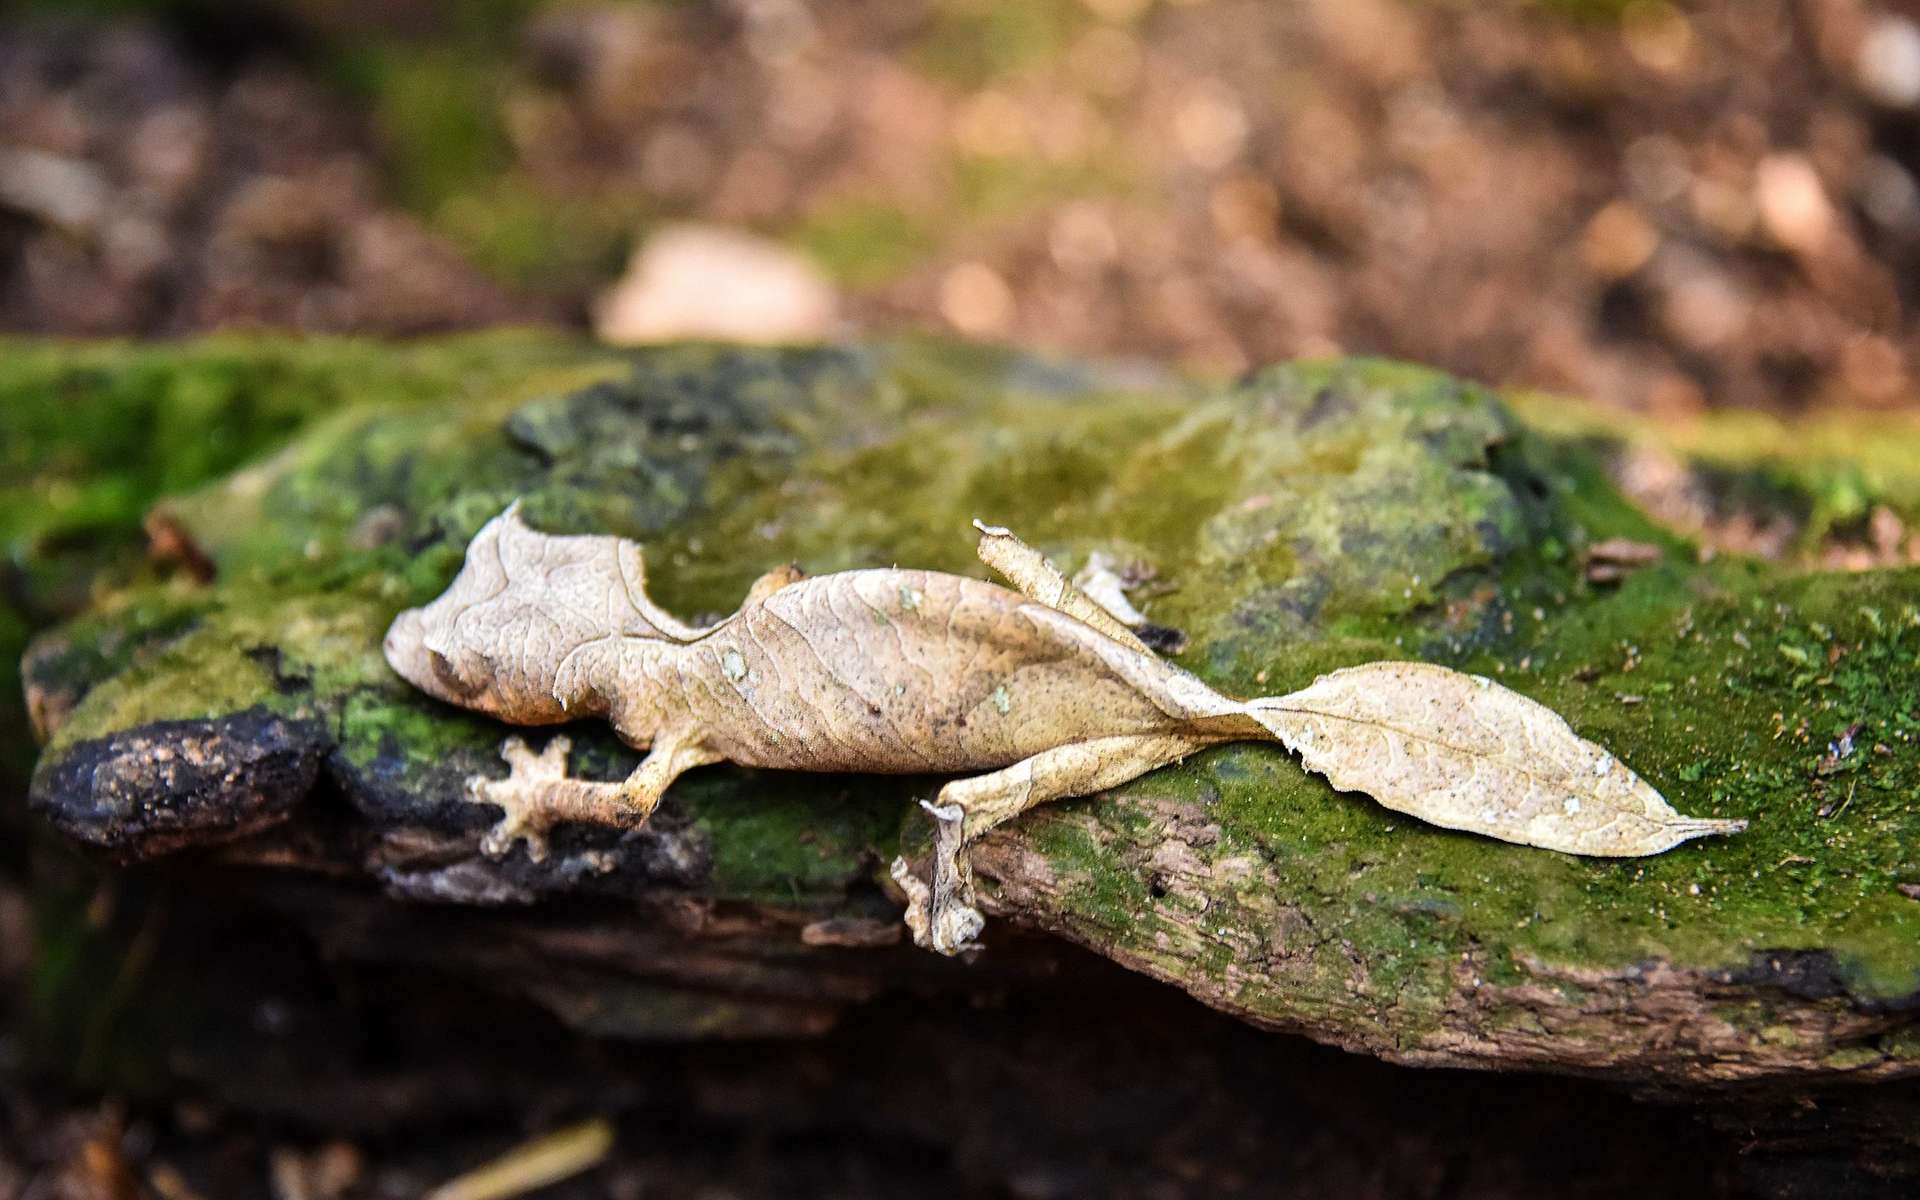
[
  {"x": 538, "y": 793},
  {"x": 943, "y": 917},
  {"x": 1034, "y": 576}
]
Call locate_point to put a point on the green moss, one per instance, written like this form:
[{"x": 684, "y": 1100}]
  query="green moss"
[
  {"x": 1826, "y": 472},
  {"x": 1706, "y": 733},
  {"x": 91, "y": 435},
  {"x": 785, "y": 839},
  {"x": 438, "y": 116},
  {"x": 388, "y": 720},
  {"x": 1079, "y": 847},
  {"x": 541, "y": 244},
  {"x": 200, "y": 675}
]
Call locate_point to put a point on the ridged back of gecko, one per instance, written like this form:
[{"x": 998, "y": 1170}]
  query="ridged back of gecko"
[{"x": 531, "y": 627}]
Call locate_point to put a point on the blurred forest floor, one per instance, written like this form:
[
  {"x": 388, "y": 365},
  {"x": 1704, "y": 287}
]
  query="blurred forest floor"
[{"x": 1666, "y": 207}]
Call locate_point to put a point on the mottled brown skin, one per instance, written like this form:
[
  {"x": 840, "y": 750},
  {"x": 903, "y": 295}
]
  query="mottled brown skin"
[
  {"x": 917, "y": 672},
  {"x": 880, "y": 671},
  {"x": 856, "y": 672}
]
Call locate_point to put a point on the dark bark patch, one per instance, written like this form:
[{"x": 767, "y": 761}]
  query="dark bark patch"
[{"x": 168, "y": 785}]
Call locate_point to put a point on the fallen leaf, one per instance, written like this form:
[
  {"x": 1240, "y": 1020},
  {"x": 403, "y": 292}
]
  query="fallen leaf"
[{"x": 1461, "y": 751}]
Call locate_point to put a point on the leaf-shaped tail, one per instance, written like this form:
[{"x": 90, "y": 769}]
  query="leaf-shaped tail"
[{"x": 1461, "y": 751}]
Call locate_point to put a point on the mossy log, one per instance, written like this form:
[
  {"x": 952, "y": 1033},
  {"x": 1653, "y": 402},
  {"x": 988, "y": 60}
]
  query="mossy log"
[{"x": 1301, "y": 519}]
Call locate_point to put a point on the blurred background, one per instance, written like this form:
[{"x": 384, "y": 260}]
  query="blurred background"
[{"x": 1666, "y": 207}]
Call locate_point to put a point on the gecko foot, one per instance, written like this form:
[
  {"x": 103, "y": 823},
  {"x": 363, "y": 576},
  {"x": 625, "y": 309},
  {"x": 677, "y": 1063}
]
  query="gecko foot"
[
  {"x": 955, "y": 928},
  {"x": 524, "y": 796},
  {"x": 952, "y": 922},
  {"x": 950, "y": 929},
  {"x": 918, "y": 894}
]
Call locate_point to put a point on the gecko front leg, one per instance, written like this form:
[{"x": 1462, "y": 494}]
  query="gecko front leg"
[{"x": 538, "y": 793}]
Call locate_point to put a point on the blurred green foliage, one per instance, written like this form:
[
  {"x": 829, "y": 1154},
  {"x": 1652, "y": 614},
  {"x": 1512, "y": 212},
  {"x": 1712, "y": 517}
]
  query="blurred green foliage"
[
  {"x": 862, "y": 243},
  {"x": 970, "y": 44},
  {"x": 437, "y": 113}
]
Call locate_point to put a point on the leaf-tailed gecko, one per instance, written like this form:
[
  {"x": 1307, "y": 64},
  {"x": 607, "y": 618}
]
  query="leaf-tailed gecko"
[{"x": 1036, "y": 689}]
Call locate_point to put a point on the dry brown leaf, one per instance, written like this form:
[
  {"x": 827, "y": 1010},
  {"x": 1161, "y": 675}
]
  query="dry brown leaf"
[{"x": 1461, "y": 751}]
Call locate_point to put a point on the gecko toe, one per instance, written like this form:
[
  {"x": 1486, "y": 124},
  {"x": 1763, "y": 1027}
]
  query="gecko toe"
[
  {"x": 956, "y": 929},
  {"x": 918, "y": 897},
  {"x": 942, "y": 812},
  {"x": 536, "y": 845},
  {"x": 516, "y": 824},
  {"x": 515, "y": 751},
  {"x": 498, "y": 842},
  {"x": 949, "y": 820}
]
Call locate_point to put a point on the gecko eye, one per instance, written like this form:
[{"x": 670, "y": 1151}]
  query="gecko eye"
[{"x": 449, "y": 678}]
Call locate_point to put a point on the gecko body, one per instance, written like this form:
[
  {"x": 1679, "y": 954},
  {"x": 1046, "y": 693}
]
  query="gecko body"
[
  {"x": 1036, "y": 690},
  {"x": 793, "y": 680}
]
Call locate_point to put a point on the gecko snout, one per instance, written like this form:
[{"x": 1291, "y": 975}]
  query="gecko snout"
[
  {"x": 404, "y": 647},
  {"x": 426, "y": 667},
  {"x": 407, "y": 653}
]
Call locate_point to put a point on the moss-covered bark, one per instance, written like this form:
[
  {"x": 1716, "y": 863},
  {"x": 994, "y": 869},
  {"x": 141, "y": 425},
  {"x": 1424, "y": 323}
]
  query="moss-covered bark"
[
  {"x": 92, "y": 434},
  {"x": 1305, "y": 518}
]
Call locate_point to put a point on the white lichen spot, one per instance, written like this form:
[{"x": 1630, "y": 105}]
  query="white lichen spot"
[
  {"x": 1602, "y": 765},
  {"x": 910, "y": 598},
  {"x": 1572, "y": 805},
  {"x": 734, "y": 665},
  {"x": 1002, "y": 703}
]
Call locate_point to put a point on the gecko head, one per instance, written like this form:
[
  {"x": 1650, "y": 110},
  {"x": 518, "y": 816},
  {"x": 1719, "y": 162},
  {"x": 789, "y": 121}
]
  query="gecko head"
[
  {"x": 474, "y": 645},
  {"x": 425, "y": 667},
  {"x": 463, "y": 662}
]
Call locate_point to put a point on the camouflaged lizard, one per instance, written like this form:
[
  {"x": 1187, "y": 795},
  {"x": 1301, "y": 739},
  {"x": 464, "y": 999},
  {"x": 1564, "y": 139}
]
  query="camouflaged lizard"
[{"x": 1040, "y": 691}]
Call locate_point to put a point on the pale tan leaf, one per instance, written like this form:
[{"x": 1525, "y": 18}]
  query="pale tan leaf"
[{"x": 1461, "y": 751}]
